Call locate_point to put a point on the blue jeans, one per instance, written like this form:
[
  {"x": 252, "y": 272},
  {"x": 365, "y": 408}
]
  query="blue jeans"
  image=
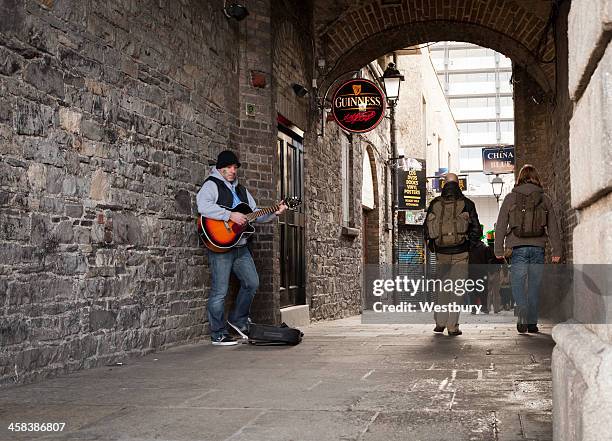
[
  {"x": 239, "y": 261},
  {"x": 526, "y": 278}
]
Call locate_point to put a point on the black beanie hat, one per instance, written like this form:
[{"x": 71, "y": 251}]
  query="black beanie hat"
[{"x": 226, "y": 158}]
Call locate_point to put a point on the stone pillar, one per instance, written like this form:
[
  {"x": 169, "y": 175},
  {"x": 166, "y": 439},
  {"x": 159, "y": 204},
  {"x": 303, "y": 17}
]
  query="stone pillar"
[{"x": 582, "y": 359}]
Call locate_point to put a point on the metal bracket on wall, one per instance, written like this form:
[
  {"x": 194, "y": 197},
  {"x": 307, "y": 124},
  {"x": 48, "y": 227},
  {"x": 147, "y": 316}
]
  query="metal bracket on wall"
[{"x": 322, "y": 101}]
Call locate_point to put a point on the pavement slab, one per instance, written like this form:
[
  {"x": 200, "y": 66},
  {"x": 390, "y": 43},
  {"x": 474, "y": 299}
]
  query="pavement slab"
[{"x": 345, "y": 381}]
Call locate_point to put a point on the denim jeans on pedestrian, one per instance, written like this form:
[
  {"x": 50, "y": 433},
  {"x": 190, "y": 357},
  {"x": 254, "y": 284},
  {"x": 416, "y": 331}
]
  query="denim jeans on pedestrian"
[
  {"x": 526, "y": 278},
  {"x": 239, "y": 261}
]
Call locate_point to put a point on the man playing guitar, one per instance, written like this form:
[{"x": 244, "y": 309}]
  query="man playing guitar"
[{"x": 219, "y": 193}]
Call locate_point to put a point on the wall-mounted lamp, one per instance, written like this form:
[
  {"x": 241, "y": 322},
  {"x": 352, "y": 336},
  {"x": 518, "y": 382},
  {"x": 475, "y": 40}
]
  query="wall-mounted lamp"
[
  {"x": 235, "y": 10},
  {"x": 299, "y": 90},
  {"x": 392, "y": 79}
]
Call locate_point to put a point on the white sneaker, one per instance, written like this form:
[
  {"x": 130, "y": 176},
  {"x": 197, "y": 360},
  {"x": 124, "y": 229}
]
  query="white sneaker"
[{"x": 224, "y": 340}]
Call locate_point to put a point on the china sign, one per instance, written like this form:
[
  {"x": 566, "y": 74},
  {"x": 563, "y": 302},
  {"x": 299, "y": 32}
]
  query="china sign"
[
  {"x": 498, "y": 160},
  {"x": 358, "y": 105},
  {"x": 412, "y": 188}
]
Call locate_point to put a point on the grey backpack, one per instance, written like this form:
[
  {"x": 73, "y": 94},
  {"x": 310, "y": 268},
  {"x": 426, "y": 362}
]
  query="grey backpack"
[
  {"x": 447, "y": 224},
  {"x": 528, "y": 215}
]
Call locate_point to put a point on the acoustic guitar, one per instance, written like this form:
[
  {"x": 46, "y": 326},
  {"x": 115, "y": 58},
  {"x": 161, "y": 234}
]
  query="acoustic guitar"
[{"x": 221, "y": 236}]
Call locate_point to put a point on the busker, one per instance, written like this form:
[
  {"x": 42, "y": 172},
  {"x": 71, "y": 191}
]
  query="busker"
[
  {"x": 451, "y": 228},
  {"x": 526, "y": 220},
  {"x": 221, "y": 191}
]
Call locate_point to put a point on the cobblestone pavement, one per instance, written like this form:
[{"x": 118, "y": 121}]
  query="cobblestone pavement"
[{"x": 346, "y": 381}]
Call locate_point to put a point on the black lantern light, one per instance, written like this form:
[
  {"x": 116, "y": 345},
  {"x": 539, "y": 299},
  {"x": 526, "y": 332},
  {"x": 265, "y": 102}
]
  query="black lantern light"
[
  {"x": 392, "y": 79},
  {"x": 498, "y": 185}
]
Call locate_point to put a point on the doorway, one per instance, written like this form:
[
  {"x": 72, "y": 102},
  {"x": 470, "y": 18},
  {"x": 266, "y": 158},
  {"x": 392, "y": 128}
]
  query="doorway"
[{"x": 292, "y": 249}]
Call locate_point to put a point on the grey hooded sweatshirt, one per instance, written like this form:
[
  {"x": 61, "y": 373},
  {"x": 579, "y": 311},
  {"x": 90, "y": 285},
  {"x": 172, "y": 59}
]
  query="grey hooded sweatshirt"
[
  {"x": 207, "y": 201},
  {"x": 505, "y": 238}
]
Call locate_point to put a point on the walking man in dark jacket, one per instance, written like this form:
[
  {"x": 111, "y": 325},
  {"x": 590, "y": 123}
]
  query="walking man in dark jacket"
[{"x": 451, "y": 228}]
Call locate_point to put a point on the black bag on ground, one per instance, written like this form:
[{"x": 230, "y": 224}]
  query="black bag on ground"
[{"x": 274, "y": 335}]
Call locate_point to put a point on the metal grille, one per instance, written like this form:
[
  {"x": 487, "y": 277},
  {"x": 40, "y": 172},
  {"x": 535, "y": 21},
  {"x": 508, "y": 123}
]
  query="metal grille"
[{"x": 411, "y": 258}]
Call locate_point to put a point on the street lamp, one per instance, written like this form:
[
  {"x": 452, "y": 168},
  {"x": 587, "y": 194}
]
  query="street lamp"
[
  {"x": 392, "y": 79},
  {"x": 498, "y": 184}
]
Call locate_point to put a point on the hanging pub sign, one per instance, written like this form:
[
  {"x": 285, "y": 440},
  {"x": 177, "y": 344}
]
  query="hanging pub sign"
[
  {"x": 412, "y": 188},
  {"x": 497, "y": 160},
  {"x": 358, "y": 105}
]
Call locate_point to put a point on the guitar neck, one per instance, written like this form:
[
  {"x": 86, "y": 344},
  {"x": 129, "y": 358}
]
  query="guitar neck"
[{"x": 263, "y": 212}]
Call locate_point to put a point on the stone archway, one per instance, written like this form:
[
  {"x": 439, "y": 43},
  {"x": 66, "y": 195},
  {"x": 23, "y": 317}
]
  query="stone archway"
[{"x": 362, "y": 31}]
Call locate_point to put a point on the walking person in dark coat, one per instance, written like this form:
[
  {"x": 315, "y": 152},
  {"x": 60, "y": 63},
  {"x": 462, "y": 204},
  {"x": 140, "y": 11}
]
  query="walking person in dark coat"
[{"x": 451, "y": 228}]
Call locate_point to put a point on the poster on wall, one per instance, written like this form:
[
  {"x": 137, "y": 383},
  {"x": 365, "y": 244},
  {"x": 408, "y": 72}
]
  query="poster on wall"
[
  {"x": 412, "y": 188},
  {"x": 358, "y": 105}
]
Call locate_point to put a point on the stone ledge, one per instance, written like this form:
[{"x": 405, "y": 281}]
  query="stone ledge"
[
  {"x": 582, "y": 385},
  {"x": 589, "y": 32},
  {"x": 296, "y": 316},
  {"x": 584, "y": 348},
  {"x": 590, "y": 138},
  {"x": 595, "y": 221}
]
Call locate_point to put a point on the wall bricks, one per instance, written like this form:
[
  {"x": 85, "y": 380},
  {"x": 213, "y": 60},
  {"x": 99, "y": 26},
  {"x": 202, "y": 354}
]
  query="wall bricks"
[{"x": 105, "y": 139}]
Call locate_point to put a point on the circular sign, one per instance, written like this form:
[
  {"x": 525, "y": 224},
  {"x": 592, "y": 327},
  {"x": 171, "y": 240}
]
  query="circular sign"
[{"x": 358, "y": 105}]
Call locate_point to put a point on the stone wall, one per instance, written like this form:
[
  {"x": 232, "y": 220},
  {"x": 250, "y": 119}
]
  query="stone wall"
[
  {"x": 334, "y": 250},
  {"x": 105, "y": 137},
  {"x": 583, "y": 355}
]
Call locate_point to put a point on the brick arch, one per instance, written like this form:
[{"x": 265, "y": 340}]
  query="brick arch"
[{"x": 368, "y": 31}]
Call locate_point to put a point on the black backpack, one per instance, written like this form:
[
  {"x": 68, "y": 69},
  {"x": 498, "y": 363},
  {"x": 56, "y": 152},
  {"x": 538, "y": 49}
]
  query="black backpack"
[
  {"x": 274, "y": 335},
  {"x": 528, "y": 215}
]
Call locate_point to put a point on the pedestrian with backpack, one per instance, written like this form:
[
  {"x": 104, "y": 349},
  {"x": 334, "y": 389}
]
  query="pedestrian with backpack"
[
  {"x": 526, "y": 220},
  {"x": 451, "y": 228}
]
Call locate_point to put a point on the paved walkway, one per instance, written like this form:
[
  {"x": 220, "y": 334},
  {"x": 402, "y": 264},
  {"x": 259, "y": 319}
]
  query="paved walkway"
[{"x": 346, "y": 381}]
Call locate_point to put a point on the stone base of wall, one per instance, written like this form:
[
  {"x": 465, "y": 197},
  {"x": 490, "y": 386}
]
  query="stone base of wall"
[
  {"x": 296, "y": 316},
  {"x": 582, "y": 384}
]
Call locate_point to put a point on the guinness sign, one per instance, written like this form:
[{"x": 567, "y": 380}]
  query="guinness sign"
[{"x": 358, "y": 105}]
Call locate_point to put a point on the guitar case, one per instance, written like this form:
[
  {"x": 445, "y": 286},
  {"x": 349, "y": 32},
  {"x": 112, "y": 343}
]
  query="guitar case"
[{"x": 274, "y": 335}]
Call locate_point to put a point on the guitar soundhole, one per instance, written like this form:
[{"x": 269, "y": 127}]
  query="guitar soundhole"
[{"x": 237, "y": 228}]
